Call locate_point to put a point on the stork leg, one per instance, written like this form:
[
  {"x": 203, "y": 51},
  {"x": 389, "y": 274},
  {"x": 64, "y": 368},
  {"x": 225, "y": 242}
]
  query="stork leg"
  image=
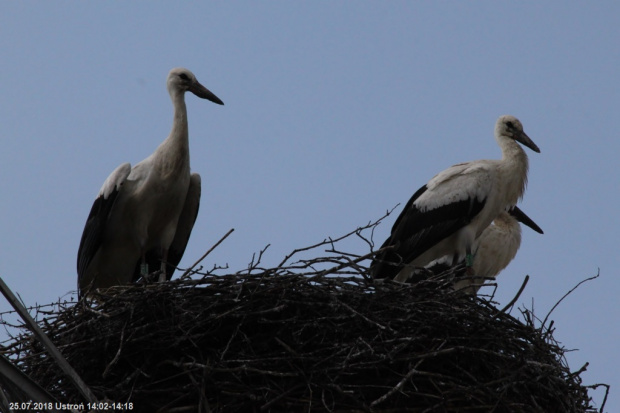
[
  {"x": 164, "y": 260},
  {"x": 469, "y": 261},
  {"x": 455, "y": 259},
  {"x": 144, "y": 267}
]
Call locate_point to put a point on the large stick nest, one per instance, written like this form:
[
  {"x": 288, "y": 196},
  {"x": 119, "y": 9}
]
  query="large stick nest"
[{"x": 313, "y": 336}]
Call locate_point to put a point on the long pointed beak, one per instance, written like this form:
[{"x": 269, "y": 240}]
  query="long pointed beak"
[
  {"x": 524, "y": 139},
  {"x": 524, "y": 219},
  {"x": 204, "y": 93}
]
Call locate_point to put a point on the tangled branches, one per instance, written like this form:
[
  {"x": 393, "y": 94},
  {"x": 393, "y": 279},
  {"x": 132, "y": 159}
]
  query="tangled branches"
[{"x": 311, "y": 335}]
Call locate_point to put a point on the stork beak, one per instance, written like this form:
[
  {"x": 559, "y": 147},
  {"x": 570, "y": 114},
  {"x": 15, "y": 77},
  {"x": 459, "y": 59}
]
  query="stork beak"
[
  {"x": 204, "y": 93},
  {"x": 524, "y": 219},
  {"x": 524, "y": 139}
]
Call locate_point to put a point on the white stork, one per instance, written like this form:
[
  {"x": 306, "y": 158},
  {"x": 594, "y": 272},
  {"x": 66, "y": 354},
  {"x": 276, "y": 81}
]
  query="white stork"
[
  {"x": 496, "y": 247},
  {"x": 446, "y": 215},
  {"x": 143, "y": 216}
]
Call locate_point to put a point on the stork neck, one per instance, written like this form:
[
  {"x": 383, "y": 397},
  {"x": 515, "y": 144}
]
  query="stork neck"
[
  {"x": 179, "y": 130},
  {"x": 514, "y": 168},
  {"x": 173, "y": 153}
]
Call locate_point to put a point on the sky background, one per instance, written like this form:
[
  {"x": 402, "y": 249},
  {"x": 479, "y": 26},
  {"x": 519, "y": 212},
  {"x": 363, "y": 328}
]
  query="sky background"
[{"x": 334, "y": 113}]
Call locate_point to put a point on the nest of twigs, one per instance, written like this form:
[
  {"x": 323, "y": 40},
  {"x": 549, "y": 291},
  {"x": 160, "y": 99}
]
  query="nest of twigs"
[{"x": 312, "y": 336}]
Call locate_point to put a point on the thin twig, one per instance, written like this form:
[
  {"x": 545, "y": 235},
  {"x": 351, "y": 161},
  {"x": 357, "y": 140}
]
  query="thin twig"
[
  {"x": 350, "y": 263},
  {"x": 516, "y": 297},
  {"x": 186, "y": 273},
  {"x": 118, "y": 353},
  {"x": 398, "y": 386},
  {"x": 329, "y": 240},
  {"x": 607, "y": 387},
  {"x": 567, "y": 294}
]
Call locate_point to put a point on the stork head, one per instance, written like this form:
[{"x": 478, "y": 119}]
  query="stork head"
[
  {"x": 182, "y": 80},
  {"x": 510, "y": 127}
]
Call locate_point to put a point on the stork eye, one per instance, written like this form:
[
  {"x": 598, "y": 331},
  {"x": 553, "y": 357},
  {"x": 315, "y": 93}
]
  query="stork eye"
[
  {"x": 510, "y": 125},
  {"x": 184, "y": 76}
]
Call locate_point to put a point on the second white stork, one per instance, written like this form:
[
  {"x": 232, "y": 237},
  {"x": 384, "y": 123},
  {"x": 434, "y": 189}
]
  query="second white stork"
[
  {"x": 496, "y": 247},
  {"x": 445, "y": 216},
  {"x": 143, "y": 216}
]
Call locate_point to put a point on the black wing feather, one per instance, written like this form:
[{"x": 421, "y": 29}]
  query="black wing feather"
[
  {"x": 96, "y": 223},
  {"x": 177, "y": 248},
  {"x": 415, "y": 231}
]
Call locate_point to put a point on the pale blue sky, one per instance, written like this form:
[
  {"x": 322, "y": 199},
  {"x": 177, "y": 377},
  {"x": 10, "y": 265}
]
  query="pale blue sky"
[{"x": 335, "y": 112}]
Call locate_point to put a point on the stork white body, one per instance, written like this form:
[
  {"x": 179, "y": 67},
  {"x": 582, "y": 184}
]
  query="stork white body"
[
  {"x": 144, "y": 215},
  {"x": 496, "y": 247},
  {"x": 447, "y": 215}
]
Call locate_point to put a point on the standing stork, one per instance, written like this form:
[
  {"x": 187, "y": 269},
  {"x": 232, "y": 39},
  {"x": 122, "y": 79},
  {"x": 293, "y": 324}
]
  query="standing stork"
[
  {"x": 496, "y": 247},
  {"x": 445, "y": 216},
  {"x": 143, "y": 216}
]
